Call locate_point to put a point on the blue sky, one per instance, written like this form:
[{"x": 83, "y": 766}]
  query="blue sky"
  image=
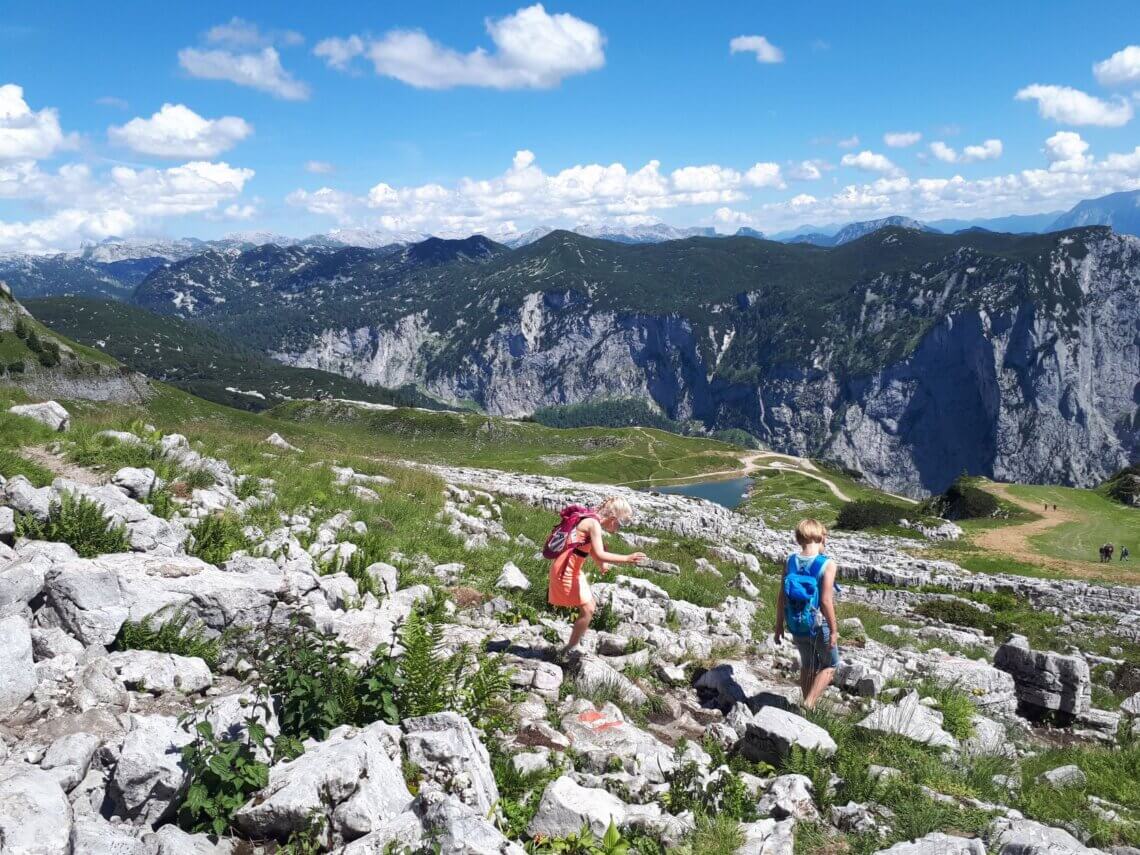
[{"x": 308, "y": 117}]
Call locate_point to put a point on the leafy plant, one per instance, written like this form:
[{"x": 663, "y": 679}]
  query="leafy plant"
[
  {"x": 198, "y": 479},
  {"x": 585, "y": 842},
  {"x": 310, "y": 840},
  {"x": 868, "y": 513},
  {"x": 176, "y": 634},
  {"x": 726, "y": 794},
  {"x": 217, "y": 537},
  {"x": 79, "y": 522},
  {"x": 223, "y": 774}
]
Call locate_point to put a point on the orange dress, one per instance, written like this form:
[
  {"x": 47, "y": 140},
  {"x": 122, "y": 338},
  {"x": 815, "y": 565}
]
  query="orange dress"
[{"x": 569, "y": 586}]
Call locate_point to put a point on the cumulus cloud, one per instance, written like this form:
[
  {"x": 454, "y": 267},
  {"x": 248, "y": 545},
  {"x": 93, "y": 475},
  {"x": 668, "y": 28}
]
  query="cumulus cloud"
[
  {"x": 1074, "y": 107},
  {"x": 177, "y": 131},
  {"x": 1120, "y": 69},
  {"x": 26, "y": 133},
  {"x": 260, "y": 70},
  {"x": 729, "y": 217},
  {"x": 808, "y": 170},
  {"x": 765, "y": 51},
  {"x": 870, "y": 161},
  {"x": 901, "y": 139},
  {"x": 240, "y": 33},
  {"x": 1066, "y": 152},
  {"x": 318, "y": 167},
  {"x": 988, "y": 150},
  {"x": 532, "y": 50}
]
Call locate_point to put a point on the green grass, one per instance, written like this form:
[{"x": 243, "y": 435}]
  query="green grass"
[{"x": 1105, "y": 521}]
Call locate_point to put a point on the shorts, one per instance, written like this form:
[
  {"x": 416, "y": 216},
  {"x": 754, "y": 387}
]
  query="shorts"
[{"x": 816, "y": 652}]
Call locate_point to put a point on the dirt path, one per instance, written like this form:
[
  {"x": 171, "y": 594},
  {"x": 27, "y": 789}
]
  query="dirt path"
[
  {"x": 1013, "y": 540},
  {"x": 59, "y": 465}
]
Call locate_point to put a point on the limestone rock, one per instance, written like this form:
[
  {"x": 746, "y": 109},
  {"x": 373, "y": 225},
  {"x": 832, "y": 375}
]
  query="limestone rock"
[
  {"x": 49, "y": 413},
  {"x": 172, "y": 840},
  {"x": 149, "y": 777},
  {"x": 93, "y": 835},
  {"x": 349, "y": 777},
  {"x": 158, "y": 673},
  {"x": 770, "y": 734},
  {"x": 1046, "y": 680},
  {"x": 446, "y": 747},
  {"x": 566, "y": 807},
  {"x": 18, "y": 678},
  {"x": 937, "y": 844},
  {"x": 512, "y": 579},
  {"x": 35, "y": 817},
  {"x": 459, "y": 830},
  {"x": 789, "y": 796},
  {"x": 69, "y": 758},
  {"x": 136, "y": 483},
  {"x": 1064, "y": 776},
  {"x": 768, "y": 837},
  {"x": 1026, "y": 837},
  {"x": 912, "y": 719}
]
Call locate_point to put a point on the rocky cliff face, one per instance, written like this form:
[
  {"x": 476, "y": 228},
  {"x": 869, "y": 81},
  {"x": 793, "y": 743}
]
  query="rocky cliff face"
[{"x": 986, "y": 365}]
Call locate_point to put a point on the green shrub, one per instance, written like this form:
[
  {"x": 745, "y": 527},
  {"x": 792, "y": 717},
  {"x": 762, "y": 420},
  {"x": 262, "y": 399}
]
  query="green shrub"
[
  {"x": 16, "y": 367},
  {"x": 79, "y": 522},
  {"x": 217, "y": 537},
  {"x": 869, "y": 513},
  {"x": 585, "y": 842},
  {"x": 717, "y": 835},
  {"x": 198, "y": 479},
  {"x": 963, "y": 501},
  {"x": 223, "y": 775},
  {"x": 49, "y": 354},
  {"x": 176, "y": 634},
  {"x": 724, "y": 795},
  {"x": 21, "y": 328}
]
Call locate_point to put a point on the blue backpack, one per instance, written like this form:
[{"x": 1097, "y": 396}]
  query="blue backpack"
[{"x": 801, "y": 595}]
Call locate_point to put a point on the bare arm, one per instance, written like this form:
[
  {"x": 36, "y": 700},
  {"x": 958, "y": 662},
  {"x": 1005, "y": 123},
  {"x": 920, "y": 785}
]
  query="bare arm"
[
  {"x": 598, "y": 552},
  {"x": 780, "y": 603},
  {"x": 827, "y": 601}
]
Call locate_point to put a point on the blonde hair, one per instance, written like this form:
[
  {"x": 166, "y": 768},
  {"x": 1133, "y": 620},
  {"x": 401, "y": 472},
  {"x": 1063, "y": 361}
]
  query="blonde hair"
[
  {"x": 810, "y": 531},
  {"x": 616, "y": 508}
]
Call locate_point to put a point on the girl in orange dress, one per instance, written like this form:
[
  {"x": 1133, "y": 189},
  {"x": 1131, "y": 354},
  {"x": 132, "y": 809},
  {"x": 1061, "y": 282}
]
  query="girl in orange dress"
[{"x": 569, "y": 586}]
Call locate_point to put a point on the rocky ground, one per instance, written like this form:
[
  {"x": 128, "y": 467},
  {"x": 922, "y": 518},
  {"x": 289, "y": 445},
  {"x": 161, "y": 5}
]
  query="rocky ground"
[{"x": 144, "y": 707}]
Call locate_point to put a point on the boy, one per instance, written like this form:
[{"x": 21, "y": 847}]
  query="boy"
[{"x": 806, "y": 606}]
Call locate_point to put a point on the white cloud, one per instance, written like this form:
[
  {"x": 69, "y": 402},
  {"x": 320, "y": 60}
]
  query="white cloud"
[
  {"x": 764, "y": 175},
  {"x": 1071, "y": 175},
  {"x": 764, "y": 50},
  {"x": 989, "y": 150},
  {"x": 901, "y": 139},
  {"x": 1066, "y": 152},
  {"x": 1120, "y": 69},
  {"x": 260, "y": 70},
  {"x": 849, "y": 142},
  {"x": 339, "y": 53},
  {"x": 1074, "y": 107},
  {"x": 319, "y": 167},
  {"x": 870, "y": 161},
  {"x": 240, "y": 212},
  {"x": 729, "y": 217},
  {"x": 533, "y": 50},
  {"x": 177, "y": 131},
  {"x": 808, "y": 170},
  {"x": 943, "y": 152},
  {"x": 240, "y": 33},
  {"x": 26, "y": 133}
]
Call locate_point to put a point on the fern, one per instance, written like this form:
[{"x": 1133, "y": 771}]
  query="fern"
[
  {"x": 426, "y": 673},
  {"x": 217, "y": 537},
  {"x": 79, "y": 522},
  {"x": 174, "y": 635}
]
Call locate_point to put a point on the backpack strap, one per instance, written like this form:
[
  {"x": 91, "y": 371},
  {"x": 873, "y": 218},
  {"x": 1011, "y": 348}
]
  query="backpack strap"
[{"x": 816, "y": 568}]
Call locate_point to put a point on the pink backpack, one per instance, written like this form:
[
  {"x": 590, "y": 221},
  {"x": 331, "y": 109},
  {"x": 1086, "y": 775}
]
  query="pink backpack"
[{"x": 559, "y": 539}]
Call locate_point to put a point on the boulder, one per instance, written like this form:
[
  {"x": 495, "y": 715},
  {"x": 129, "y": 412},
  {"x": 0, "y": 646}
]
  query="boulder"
[
  {"x": 136, "y": 483},
  {"x": 566, "y": 807},
  {"x": 1131, "y": 705},
  {"x": 99, "y": 686},
  {"x": 602, "y": 737},
  {"x": 1027, "y": 837},
  {"x": 149, "y": 778},
  {"x": 145, "y": 531},
  {"x": 1046, "y": 680},
  {"x": 52, "y": 642},
  {"x": 858, "y": 678},
  {"x": 278, "y": 441},
  {"x": 21, "y": 581},
  {"x": 991, "y": 689},
  {"x": 590, "y": 672},
  {"x": 69, "y": 758},
  {"x": 912, "y": 719},
  {"x": 770, "y": 734},
  {"x": 229, "y": 717},
  {"x": 93, "y": 835},
  {"x": 403, "y": 833},
  {"x": 447, "y": 749},
  {"x": 172, "y": 840},
  {"x": 91, "y": 598},
  {"x": 24, "y": 498},
  {"x": 385, "y": 576},
  {"x": 1064, "y": 776},
  {"x": 18, "y": 678},
  {"x": 349, "y": 777},
  {"x": 35, "y": 817},
  {"x": 459, "y": 830},
  {"x": 768, "y": 837},
  {"x": 512, "y": 578},
  {"x": 937, "y": 844},
  {"x": 745, "y": 585},
  {"x": 159, "y": 673},
  {"x": 789, "y": 796},
  {"x": 7, "y": 525},
  {"x": 730, "y": 683},
  {"x": 49, "y": 413}
]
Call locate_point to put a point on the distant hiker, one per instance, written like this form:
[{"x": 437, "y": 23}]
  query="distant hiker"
[
  {"x": 577, "y": 537},
  {"x": 806, "y": 608},
  {"x": 1046, "y": 507},
  {"x": 1124, "y": 553},
  {"x": 1054, "y": 507}
]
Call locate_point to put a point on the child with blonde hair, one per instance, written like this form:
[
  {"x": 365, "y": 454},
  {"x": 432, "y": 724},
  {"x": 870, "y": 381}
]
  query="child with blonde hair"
[
  {"x": 806, "y": 608},
  {"x": 582, "y": 533}
]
